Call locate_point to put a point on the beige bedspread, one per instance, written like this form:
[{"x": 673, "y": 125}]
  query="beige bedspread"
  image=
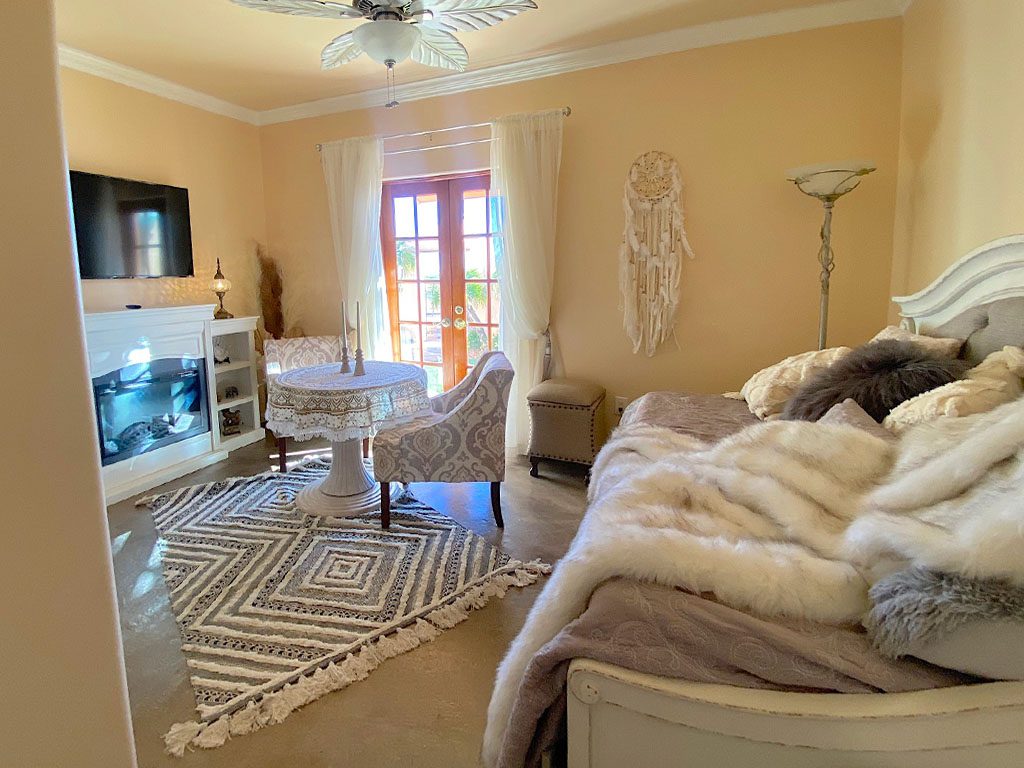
[{"x": 673, "y": 633}]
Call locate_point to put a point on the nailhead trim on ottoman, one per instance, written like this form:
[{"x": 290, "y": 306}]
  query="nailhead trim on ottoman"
[{"x": 566, "y": 418}]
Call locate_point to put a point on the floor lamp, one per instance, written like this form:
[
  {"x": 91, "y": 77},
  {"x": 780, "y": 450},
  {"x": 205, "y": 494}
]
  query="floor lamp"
[{"x": 827, "y": 182}]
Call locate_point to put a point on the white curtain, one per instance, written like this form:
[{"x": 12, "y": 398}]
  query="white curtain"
[
  {"x": 526, "y": 151},
  {"x": 354, "y": 171}
]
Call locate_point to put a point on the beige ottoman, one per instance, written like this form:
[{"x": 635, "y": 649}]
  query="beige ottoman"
[{"x": 567, "y": 421}]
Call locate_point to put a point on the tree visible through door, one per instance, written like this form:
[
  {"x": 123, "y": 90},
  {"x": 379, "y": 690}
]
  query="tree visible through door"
[{"x": 441, "y": 252}]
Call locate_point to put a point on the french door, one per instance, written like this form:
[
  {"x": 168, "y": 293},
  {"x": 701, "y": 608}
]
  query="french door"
[{"x": 441, "y": 251}]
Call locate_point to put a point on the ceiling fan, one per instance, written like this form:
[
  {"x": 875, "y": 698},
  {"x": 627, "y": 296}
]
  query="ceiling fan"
[{"x": 400, "y": 29}]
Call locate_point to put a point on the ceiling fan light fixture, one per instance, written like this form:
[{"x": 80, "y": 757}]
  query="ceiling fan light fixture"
[{"x": 387, "y": 41}]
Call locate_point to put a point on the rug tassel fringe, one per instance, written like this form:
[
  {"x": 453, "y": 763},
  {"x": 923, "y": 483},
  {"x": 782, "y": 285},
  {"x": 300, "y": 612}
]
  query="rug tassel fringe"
[{"x": 274, "y": 707}]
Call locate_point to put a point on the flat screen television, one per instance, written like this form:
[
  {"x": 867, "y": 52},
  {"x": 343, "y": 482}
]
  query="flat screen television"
[{"x": 130, "y": 228}]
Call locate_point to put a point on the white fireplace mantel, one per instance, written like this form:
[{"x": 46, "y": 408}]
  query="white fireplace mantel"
[{"x": 132, "y": 336}]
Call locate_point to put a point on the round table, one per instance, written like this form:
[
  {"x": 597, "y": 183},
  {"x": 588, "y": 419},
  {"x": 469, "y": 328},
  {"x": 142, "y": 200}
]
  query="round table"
[{"x": 321, "y": 401}]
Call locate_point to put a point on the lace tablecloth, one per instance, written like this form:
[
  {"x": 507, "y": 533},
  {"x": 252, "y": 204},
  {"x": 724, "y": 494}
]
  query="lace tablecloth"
[{"x": 320, "y": 401}]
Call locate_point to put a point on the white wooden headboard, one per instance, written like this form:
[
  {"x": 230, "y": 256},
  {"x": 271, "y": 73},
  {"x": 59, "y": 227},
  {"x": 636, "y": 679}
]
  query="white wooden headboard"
[{"x": 993, "y": 271}]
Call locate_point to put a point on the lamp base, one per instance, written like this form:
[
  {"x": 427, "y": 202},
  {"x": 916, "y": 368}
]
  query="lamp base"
[{"x": 221, "y": 313}]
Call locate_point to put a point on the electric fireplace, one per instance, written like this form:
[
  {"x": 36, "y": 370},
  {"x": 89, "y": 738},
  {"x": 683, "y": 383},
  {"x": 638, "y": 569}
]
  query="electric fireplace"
[{"x": 150, "y": 404}]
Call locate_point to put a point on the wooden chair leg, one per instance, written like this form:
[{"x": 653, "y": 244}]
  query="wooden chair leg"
[
  {"x": 366, "y": 447},
  {"x": 282, "y": 453},
  {"x": 496, "y": 504},
  {"x": 534, "y": 464},
  {"x": 385, "y": 505}
]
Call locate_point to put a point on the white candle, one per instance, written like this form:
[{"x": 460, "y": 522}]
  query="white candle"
[
  {"x": 359, "y": 328},
  {"x": 344, "y": 325}
]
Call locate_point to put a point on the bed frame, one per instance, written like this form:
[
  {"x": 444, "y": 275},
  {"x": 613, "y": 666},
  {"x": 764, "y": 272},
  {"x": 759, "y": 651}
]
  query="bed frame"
[{"x": 618, "y": 718}]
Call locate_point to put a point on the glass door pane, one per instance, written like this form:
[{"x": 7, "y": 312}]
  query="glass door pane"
[
  {"x": 475, "y": 240},
  {"x": 441, "y": 257},
  {"x": 413, "y": 235}
]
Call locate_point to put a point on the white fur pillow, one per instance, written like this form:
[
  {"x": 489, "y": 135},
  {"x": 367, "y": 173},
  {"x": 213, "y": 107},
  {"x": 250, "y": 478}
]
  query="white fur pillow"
[
  {"x": 935, "y": 345},
  {"x": 767, "y": 391},
  {"x": 997, "y": 380}
]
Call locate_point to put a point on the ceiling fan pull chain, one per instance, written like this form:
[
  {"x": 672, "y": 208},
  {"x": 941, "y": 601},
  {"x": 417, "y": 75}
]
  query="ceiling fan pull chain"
[{"x": 392, "y": 102}]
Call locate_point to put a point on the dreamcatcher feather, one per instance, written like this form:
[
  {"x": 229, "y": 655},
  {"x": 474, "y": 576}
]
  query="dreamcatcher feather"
[{"x": 653, "y": 244}]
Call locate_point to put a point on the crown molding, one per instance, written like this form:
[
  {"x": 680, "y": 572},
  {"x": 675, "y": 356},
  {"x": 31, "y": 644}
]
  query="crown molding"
[
  {"x": 658, "y": 44},
  {"x": 671, "y": 41},
  {"x": 82, "y": 61}
]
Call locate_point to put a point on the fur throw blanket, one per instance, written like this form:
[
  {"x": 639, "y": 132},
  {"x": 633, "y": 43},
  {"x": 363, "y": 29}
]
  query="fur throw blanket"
[
  {"x": 758, "y": 519},
  {"x": 954, "y": 502},
  {"x": 785, "y": 519},
  {"x": 915, "y": 607}
]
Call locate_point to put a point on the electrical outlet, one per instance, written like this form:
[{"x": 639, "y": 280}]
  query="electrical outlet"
[{"x": 620, "y": 404}]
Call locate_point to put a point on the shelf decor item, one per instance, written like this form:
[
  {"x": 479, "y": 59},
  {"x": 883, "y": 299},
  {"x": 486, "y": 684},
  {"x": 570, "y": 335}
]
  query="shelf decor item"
[
  {"x": 230, "y": 422},
  {"x": 827, "y": 182},
  {"x": 653, "y": 244},
  {"x": 360, "y": 367},
  {"x": 220, "y": 285},
  {"x": 220, "y": 351}
]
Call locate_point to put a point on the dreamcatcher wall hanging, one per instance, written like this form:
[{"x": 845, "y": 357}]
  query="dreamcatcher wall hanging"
[{"x": 653, "y": 244}]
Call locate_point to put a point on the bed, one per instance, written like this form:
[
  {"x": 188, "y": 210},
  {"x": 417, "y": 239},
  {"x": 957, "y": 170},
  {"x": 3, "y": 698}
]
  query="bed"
[{"x": 619, "y": 717}]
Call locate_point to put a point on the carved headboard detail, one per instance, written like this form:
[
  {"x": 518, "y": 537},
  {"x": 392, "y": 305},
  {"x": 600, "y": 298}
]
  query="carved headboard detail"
[{"x": 991, "y": 272}]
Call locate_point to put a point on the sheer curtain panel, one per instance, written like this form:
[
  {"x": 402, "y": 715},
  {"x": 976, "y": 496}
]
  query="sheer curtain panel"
[
  {"x": 354, "y": 172},
  {"x": 526, "y": 152}
]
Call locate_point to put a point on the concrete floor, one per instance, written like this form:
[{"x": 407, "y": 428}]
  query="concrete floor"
[{"x": 421, "y": 709}]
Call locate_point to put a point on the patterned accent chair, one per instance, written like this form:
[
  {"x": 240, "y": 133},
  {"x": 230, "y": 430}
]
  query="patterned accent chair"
[
  {"x": 282, "y": 355},
  {"x": 463, "y": 441}
]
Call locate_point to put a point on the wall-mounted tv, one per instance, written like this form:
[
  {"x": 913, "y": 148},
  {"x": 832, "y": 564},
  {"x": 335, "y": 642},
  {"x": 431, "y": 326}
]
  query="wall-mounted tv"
[{"x": 130, "y": 228}]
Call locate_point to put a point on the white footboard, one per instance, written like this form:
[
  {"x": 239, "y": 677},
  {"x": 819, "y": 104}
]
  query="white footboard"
[{"x": 624, "y": 719}]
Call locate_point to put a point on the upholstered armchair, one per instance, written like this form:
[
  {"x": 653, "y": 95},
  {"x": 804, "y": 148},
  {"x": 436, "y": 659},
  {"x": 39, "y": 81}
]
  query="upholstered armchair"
[
  {"x": 462, "y": 441},
  {"x": 280, "y": 355}
]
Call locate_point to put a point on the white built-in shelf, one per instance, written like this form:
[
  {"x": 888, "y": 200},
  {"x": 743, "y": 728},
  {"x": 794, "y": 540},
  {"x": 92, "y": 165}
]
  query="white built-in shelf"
[
  {"x": 220, "y": 368},
  {"x": 234, "y": 402},
  {"x": 246, "y": 436},
  {"x": 236, "y": 337}
]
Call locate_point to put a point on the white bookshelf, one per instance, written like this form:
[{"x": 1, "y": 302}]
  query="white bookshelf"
[{"x": 237, "y": 336}]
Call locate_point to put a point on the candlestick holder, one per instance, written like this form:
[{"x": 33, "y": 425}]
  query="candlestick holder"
[
  {"x": 345, "y": 367},
  {"x": 360, "y": 368}
]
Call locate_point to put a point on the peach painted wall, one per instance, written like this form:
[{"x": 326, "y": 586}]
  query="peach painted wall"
[
  {"x": 961, "y": 158},
  {"x": 64, "y": 698},
  {"x": 736, "y": 117},
  {"x": 120, "y": 131}
]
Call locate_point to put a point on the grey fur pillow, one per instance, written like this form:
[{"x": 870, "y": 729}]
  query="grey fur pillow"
[{"x": 878, "y": 376}]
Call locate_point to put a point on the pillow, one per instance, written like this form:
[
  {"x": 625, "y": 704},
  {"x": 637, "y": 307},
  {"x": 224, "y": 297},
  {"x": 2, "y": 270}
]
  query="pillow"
[
  {"x": 879, "y": 376},
  {"x": 939, "y": 346},
  {"x": 848, "y": 413},
  {"x": 997, "y": 380},
  {"x": 986, "y": 648},
  {"x": 768, "y": 390}
]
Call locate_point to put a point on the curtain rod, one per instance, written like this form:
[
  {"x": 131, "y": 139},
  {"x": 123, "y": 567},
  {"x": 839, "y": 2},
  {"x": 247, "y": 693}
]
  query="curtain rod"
[
  {"x": 452, "y": 145},
  {"x": 565, "y": 111}
]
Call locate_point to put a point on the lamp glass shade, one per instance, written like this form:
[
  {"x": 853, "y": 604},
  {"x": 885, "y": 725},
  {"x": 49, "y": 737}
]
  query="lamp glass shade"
[
  {"x": 387, "y": 40},
  {"x": 220, "y": 285},
  {"x": 829, "y": 180}
]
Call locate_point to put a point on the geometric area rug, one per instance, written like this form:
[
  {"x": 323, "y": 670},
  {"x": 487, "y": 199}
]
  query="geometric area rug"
[{"x": 277, "y": 608}]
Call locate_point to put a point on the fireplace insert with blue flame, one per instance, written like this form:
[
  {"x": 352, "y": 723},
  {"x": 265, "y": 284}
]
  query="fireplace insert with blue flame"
[{"x": 148, "y": 405}]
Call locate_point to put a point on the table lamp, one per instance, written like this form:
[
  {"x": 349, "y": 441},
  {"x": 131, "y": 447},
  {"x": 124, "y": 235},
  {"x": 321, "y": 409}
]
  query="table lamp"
[
  {"x": 220, "y": 285},
  {"x": 827, "y": 182}
]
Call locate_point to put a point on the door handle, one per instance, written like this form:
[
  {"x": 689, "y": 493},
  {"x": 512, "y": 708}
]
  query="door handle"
[
  {"x": 445, "y": 322},
  {"x": 460, "y": 323},
  {"x": 459, "y": 310}
]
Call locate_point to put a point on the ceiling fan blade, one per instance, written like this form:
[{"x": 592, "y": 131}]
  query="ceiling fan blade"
[
  {"x": 323, "y": 9},
  {"x": 437, "y": 48},
  {"x": 468, "y": 15},
  {"x": 341, "y": 50}
]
